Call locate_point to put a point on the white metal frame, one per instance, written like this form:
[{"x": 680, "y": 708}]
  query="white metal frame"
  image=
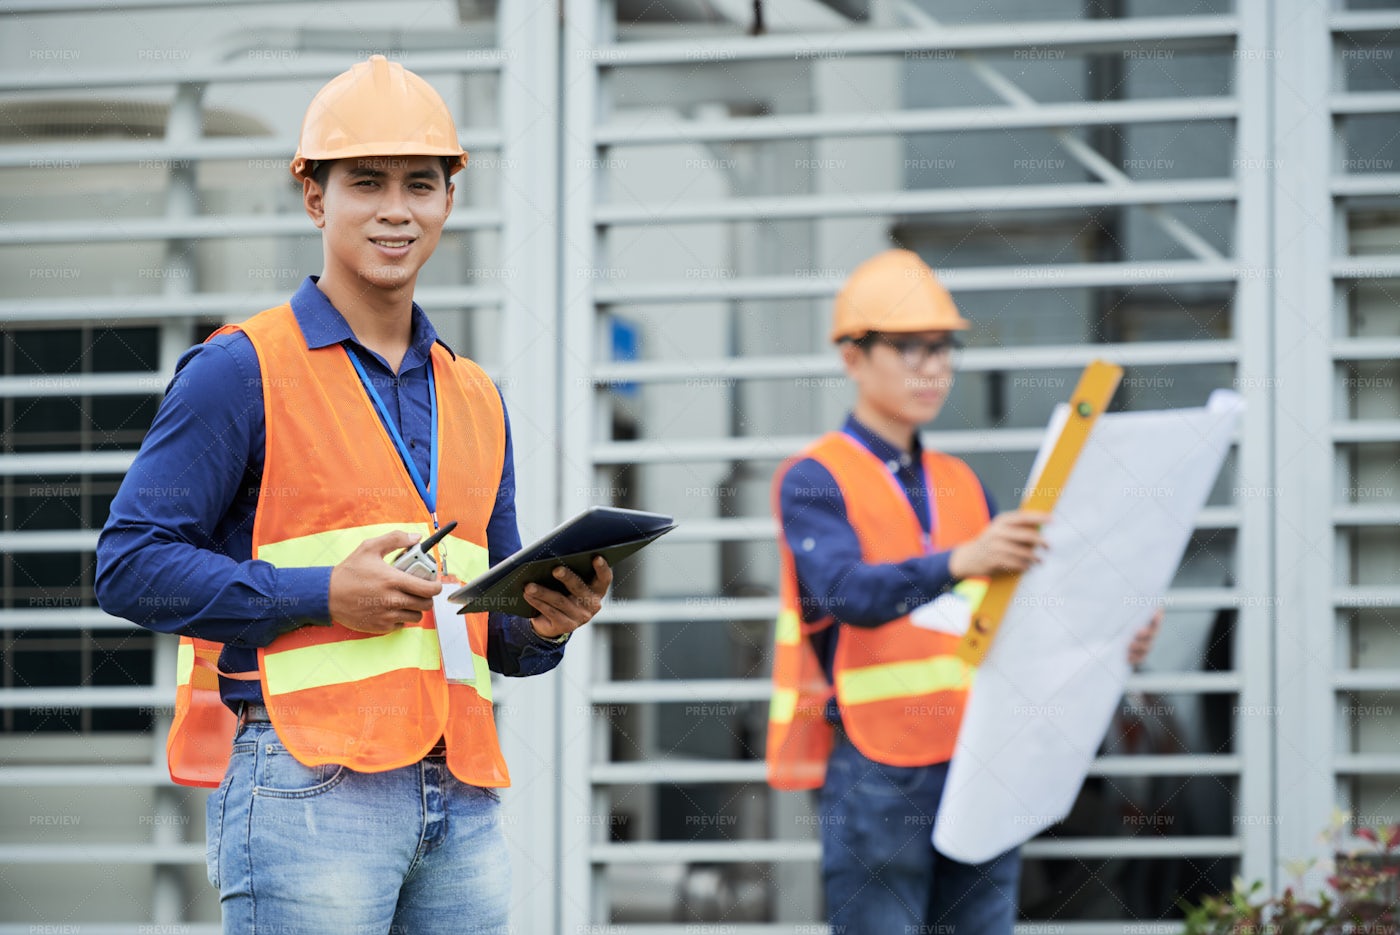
[
  {"x": 590, "y": 51},
  {"x": 554, "y": 218}
]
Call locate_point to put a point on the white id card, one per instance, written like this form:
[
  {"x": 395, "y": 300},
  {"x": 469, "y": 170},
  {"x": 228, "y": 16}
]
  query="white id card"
[
  {"x": 948, "y": 613},
  {"x": 457, "y": 663}
]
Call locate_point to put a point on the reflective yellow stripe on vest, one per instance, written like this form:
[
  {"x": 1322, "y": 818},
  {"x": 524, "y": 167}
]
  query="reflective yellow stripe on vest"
[
  {"x": 789, "y": 629},
  {"x": 465, "y": 559},
  {"x": 903, "y": 679},
  {"x": 184, "y": 663},
  {"x": 782, "y": 706},
  {"x": 352, "y": 660}
]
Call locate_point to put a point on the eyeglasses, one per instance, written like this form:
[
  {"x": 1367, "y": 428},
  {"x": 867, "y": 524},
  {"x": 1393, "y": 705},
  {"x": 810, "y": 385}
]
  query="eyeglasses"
[{"x": 915, "y": 352}]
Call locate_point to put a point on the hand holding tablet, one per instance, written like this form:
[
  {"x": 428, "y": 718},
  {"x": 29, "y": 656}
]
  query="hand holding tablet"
[{"x": 612, "y": 532}]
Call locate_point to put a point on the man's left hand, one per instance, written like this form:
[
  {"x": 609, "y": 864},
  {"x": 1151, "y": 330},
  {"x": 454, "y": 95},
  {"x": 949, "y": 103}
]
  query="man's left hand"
[
  {"x": 565, "y": 613},
  {"x": 1143, "y": 640}
]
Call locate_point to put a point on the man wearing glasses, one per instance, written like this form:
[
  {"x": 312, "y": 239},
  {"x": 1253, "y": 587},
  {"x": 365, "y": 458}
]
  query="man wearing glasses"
[{"x": 884, "y": 542}]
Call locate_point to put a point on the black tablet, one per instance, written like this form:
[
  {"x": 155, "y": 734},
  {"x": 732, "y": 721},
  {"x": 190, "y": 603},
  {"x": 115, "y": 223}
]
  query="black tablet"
[{"x": 612, "y": 532}]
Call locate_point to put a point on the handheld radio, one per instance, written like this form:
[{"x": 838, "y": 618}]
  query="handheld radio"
[{"x": 417, "y": 559}]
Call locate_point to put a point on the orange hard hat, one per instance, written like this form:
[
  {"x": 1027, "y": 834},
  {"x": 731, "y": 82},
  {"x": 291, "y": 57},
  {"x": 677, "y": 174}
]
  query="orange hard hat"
[
  {"x": 893, "y": 291},
  {"x": 377, "y": 108}
]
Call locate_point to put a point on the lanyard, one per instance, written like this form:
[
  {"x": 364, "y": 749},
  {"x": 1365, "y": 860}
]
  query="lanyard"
[
  {"x": 928, "y": 506},
  {"x": 427, "y": 491}
]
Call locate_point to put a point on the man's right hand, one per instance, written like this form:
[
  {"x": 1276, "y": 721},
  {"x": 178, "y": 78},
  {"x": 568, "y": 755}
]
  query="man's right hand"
[
  {"x": 372, "y": 596},
  {"x": 1008, "y": 544}
]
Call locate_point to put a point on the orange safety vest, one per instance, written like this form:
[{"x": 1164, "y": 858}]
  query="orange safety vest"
[
  {"x": 331, "y": 479},
  {"x": 901, "y": 688}
]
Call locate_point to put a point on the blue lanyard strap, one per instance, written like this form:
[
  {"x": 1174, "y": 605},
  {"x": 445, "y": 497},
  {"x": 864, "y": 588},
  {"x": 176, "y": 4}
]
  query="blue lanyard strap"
[
  {"x": 928, "y": 506},
  {"x": 429, "y": 491}
]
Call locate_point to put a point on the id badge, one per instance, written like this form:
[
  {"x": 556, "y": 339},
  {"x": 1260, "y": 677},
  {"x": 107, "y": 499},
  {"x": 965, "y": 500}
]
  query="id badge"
[{"x": 457, "y": 664}]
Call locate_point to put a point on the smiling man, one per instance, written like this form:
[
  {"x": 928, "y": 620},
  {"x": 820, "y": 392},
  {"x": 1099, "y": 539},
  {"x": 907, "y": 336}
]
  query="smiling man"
[
  {"x": 292, "y": 455},
  {"x": 885, "y": 549}
]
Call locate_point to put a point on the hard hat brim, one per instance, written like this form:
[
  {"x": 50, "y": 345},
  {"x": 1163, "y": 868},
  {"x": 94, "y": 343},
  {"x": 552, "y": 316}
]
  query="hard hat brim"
[
  {"x": 855, "y": 334},
  {"x": 301, "y": 164}
]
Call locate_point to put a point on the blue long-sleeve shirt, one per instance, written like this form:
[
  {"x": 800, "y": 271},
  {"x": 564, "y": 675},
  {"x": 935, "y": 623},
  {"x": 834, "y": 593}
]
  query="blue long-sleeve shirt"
[
  {"x": 832, "y": 577},
  {"x": 175, "y": 555}
]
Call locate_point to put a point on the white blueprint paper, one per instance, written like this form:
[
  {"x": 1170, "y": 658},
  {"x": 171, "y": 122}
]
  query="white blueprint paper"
[{"x": 1045, "y": 694}]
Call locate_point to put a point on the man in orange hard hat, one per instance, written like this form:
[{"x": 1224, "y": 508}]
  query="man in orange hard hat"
[
  {"x": 355, "y": 778},
  {"x": 880, "y": 536}
]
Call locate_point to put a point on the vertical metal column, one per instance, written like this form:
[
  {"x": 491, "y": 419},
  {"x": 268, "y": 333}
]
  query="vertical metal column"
[
  {"x": 1256, "y": 811},
  {"x": 582, "y": 34},
  {"x": 1302, "y": 545},
  {"x": 182, "y": 201},
  {"x": 529, "y": 374}
]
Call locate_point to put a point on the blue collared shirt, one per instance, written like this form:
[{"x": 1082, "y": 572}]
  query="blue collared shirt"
[
  {"x": 176, "y": 553},
  {"x": 832, "y": 577}
]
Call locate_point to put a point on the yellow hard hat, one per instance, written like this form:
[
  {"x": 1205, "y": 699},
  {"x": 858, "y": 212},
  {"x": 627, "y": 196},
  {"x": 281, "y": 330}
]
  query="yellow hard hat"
[
  {"x": 893, "y": 291},
  {"x": 377, "y": 108}
]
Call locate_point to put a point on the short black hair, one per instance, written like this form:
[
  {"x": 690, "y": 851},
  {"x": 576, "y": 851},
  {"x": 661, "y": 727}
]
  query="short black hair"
[{"x": 321, "y": 170}]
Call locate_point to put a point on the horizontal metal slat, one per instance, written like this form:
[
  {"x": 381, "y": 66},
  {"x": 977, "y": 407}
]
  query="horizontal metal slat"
[
  {"x": 972, "y": 360},
  {"x": 1385, "y": 680},
  {"x": 200, "y": 227},
  {"x": 64, "y": 618},
  {"x": 1367, "y": 764},
  {"x": 764, "y": 851},
  {"x": 737, "y": 529},
  {"x": 1136, "y": 848},
  {"x": 114, "y": 928},
  {"x": 684, "y": 772},
  {"x": 49, "y": 540},
  {"x": 1366, "y": 596},
  {"x": 229, "y": 306},
  {"x": 62, "y": 700},
  {"x": 624, "y": 610},
  {"x": 30, "y": 7},
  {"x": 713, "y": 285},
  {"x": 1370, "y": 267},
  {"x": 1359, "y": 21},
  {"x": 63, "y": 464},
  {"x": 665, "y": 772},
  {"x": 1369, "y": 102},
  {"x": 1366, "y": 185},
  {"x": 83, "y": 384},
  {"x": 86, "y": 775},
  {"x": 1377, "y": 348},
  {"x": 777, "y": 447},
  {"x": 1366, "y": 430},
  {"x": 1178, "y": 32},
  {"x": 679, "y": 690},
  {"x": 719, "y": 852},
  {"x": 658, "y": 129},
  {"x": 700, "y": 928},
  {"x": 128, "y": 853},
  {"x": 1057, "y": 927},
  {"x": 1168, "y": 765},
  {"x": 904, "y": 203},
  {"x": 1367, "y": 514},
  {"x": 191, "y": 71},
  {"x": 276, "y": 152},
  {"x": 634, "y": 610},
  {"x": 650, "y": 691}
]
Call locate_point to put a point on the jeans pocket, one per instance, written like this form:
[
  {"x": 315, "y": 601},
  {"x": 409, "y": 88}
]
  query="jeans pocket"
[
  {"x": 215, "y": 806},
  {"x": 880, "y": 779},
  {"x": 214, "y": 831},
  {"x": 280, "y": 775}
]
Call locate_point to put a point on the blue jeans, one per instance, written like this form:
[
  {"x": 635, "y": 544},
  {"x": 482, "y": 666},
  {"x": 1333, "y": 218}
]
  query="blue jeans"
[
  {"x": 881, "y": 871},
  {"x": 297, "y": 849}
]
